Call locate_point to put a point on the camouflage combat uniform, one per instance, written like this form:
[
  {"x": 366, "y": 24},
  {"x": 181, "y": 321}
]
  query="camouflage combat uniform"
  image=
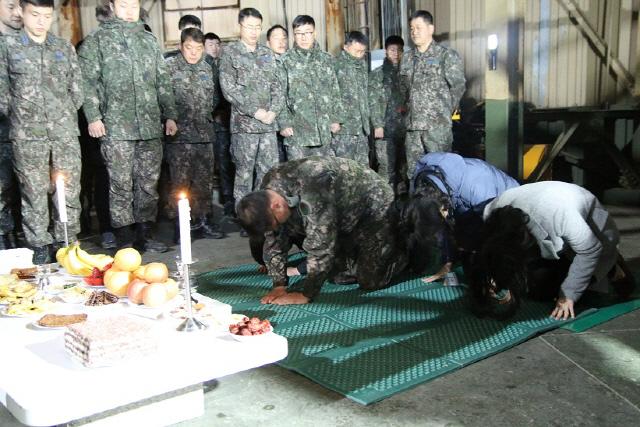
[
  {"x": 352, "y": 141},
  {"x": 250, "y": 81},
  {"x": 387, "y": 111},
  {"x": 127, "y": 86},
  {"x": 8, "y": 184},
  {"x": 313, "y": 102},
  {"x": 41, "y": 91},
  {"x": 433, "y": 82},
  {"x": 222, "y": 145},
  {"x": 344, "y": 211},
  {"x": 190, "y": 151}
]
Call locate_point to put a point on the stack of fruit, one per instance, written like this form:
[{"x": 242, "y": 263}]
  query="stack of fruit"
[
  {"x": 143, "y": 284},
  {"x": 80, "y": 263}
]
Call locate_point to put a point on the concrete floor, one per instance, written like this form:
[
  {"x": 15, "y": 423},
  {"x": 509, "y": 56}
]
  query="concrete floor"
[{"x": 558, "y": 378}]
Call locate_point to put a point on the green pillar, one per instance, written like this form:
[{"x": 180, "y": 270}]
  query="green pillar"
[{"x": 504, "y": 86}]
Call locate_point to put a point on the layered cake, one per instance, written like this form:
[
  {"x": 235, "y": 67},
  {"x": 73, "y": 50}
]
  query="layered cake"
[{"x": 109, "y": 341}]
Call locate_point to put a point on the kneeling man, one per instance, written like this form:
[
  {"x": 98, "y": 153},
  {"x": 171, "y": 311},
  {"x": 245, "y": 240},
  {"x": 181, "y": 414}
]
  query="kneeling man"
[{"x": 344, "y": 212}]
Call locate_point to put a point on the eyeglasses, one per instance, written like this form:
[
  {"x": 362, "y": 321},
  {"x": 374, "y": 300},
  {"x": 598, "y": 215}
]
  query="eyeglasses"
[
  {"x": 252, "y": 28},
  {"x": 303, "y": 35}
]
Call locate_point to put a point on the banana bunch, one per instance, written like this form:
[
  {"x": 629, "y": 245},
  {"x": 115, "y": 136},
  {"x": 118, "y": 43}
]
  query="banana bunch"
[{"x": 79, "y": 262}]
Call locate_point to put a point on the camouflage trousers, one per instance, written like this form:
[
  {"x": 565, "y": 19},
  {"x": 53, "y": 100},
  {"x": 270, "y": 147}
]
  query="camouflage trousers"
[
  {"x": 224, "y": 164},
  {"x": 8, "y": 188},
  {"x": 191, "y": 170},
  {"x": 37, "y": 163},
  {"x": 420, "y": 142},
  {"x": 354, "y": 147},
  {"x": 253, "y": 154},
  {"x": 134, "y": 169},
  {"x": 372, "y": 251},
  {"x": 391, "y": 157},
  {"x": 295, "y": 152}
]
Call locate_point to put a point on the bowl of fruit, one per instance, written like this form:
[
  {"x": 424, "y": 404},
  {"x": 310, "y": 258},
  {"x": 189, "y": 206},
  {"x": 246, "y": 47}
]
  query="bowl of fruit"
[{"x": 250, "y": 329}]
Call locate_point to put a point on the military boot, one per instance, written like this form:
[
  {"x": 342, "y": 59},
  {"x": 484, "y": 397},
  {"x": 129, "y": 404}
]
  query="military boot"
[
  {"x": 41, "y": 255},
  {"x": 210, "y": 230},
  {"x": 124, "y": 237},
  {"x": 145, "y": 242}
]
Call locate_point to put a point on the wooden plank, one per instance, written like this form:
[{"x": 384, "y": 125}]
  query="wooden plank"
[{"x": 557, "y": 147}]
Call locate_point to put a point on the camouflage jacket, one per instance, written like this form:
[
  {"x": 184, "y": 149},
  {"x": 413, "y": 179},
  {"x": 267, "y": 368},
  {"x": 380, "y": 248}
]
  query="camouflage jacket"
[
  {"x": 434, "y": 83},
  {"x": 353, "y": 81},
  {"x": 196, "y": 96},
  {"x": 222, "y": 113},
  {"x": 386, "y": 100},
  {"x": 250, "y": 81},
  {"x": 313, "y": 97},
  {"x": 126, "y": 82},
  {"x": 40, "y": 87},
  {"x": 328, "y": 197},
  {"x": 4, "y": 120}
]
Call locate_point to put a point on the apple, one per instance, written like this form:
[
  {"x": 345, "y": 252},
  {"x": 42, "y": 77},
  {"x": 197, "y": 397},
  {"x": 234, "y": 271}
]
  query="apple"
[
  {"x": 139, "y": 273},
  {"x": 154, "y": 295},
  {"x": 156, "y": 272},
  {"x": 172, "y": 288},
  {"x": 117, "y": 282},
  {"x": 134, "y": 291}
]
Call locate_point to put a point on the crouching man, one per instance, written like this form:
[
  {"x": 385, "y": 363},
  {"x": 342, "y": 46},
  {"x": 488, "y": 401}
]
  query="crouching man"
[{"x": 344, "y": 212}]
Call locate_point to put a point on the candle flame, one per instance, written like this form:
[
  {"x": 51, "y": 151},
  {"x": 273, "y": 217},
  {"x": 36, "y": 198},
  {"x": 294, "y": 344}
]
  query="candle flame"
[{"x": 183, "y": 195}]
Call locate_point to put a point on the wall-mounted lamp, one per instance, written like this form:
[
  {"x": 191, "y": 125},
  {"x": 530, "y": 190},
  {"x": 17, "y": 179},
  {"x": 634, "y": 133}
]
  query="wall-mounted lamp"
[{"x": 492, "y": 45}]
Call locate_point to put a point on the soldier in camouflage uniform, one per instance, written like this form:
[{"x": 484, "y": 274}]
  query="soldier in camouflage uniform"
[
  {"x": 190, "y": 151},
  {"x": 387, "y": 113},
  {"x": 221, "y": 118},
  {"x": 249, "y": 80},
  {"x": 433, "y": 80},
  {"x": 313, "y": 110},
  {"x": 10, "y": 23},
  {"x": 41, "y": 89},
  {"x": 278, "y": 42},
  {"x": 344, "y": 211},
  {"x": 352, "y": 141},
  {"x": 128, "y": 93}
]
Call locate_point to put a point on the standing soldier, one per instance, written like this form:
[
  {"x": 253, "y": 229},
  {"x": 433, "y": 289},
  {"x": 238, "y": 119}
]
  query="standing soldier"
[
  {"x": 10, "y": 23},
  {"x": 190, "y": 151},
  {"x": 278, "y": 42},
  {"x": 433, "y": 80},
  {"x": 387, "y": 113},
  {"x": 41, "y": 89},
  {"x": 128, "y": 93},
  {"x": 186, "y": 21},
  {"x": 249, "y": 80},
  {"x": 221, "y": 116},
  {"x": 313, "y": 110},
  {"x": 352, "y": 141}
]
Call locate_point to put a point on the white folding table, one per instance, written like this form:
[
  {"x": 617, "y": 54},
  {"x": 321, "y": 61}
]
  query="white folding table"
[{"x": 41, "y": 386}]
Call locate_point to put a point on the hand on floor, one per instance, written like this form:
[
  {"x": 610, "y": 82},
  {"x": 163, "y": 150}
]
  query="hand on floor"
[
  {"x": 439, "y": 275},
  {"x": 292, "y": 271},
  {"x": 276, "y": 292},
  {"x": 262, "y": 269},
  {"x": 563, "y": 310},
  {"x": 291, "y": 298}
]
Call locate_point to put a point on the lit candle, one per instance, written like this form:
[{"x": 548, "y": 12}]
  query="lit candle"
[
  {"x": 184, "y": 215},
  {"x": 62, "y": 201}
]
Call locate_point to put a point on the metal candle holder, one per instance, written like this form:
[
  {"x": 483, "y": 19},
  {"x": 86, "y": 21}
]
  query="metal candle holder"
[{"x": 190, "y": 324}]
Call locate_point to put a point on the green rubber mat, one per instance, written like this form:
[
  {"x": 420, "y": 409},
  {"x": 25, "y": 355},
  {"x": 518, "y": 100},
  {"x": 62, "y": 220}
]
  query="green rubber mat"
[{"x": 371, "y": 345}]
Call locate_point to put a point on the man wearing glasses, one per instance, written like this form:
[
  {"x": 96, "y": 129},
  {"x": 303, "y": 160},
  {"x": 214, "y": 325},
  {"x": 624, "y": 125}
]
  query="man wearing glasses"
[
  {"x": 432, "y": 77},
  {"x": 313, "y": 110},
  {"x": 351, "y": 70},
  {"x": 249, "y": 78}
]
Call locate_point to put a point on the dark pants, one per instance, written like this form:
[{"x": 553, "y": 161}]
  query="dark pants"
[
  {"x": 224, "y": 164},
  {"x": 94, "y": 186}
]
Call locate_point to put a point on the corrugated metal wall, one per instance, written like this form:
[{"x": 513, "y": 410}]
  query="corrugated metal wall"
[{"x": 561, "y": 68}]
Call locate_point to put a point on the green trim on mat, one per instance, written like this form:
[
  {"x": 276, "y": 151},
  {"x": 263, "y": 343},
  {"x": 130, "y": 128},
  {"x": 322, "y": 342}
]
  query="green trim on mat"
[{"x": 602, "y": 315}]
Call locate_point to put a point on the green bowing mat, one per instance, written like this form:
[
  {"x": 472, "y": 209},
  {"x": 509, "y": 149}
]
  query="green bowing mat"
[{"x": 371, "y": 345}]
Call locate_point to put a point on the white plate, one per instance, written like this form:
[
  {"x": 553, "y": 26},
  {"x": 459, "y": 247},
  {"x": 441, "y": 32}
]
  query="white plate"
[
  {"x": 4, "y": 313},
  {"x": 35, "y": 325},
  {"x": 250, "y": 338}
]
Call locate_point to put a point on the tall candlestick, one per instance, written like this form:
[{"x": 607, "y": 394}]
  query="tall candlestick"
[
  {"x": 184, "y": 214},
  {"x": 62, "y": 201}
]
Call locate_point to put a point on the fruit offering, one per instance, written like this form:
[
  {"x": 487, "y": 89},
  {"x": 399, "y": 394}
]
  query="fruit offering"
[
  {"x": 79, "y": 262},
  {"x": 250, "y": 327}
]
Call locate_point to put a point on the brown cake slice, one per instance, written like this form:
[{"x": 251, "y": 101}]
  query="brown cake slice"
[{"x": 59, "y": 320}]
